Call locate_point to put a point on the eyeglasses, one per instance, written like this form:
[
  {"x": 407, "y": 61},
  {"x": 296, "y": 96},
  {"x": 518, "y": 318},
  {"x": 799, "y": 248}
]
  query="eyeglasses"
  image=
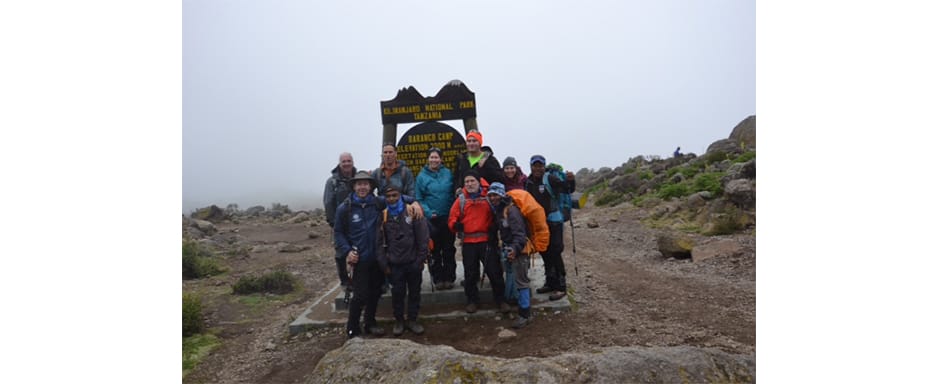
[{"x": 435, "y": 149}]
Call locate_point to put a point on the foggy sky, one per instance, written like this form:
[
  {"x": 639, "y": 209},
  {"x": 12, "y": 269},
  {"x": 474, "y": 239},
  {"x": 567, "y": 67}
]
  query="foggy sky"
[{"x": 274, "y": 91}]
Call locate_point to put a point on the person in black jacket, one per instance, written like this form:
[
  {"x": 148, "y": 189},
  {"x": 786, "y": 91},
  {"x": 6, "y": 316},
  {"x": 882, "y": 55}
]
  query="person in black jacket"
[
  {"x": 477, "y": 159},
  {"x": 402, "y": 251},
  {"x": 511, "y": 227},
  {"x": 338, "y": 187},
  {"x": 554, "y": 265}
]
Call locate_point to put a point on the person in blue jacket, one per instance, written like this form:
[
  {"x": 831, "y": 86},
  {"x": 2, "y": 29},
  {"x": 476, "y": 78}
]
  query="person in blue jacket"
[
  {"x": 355, "y": 235},
  {"x": 435, "y": 191}
]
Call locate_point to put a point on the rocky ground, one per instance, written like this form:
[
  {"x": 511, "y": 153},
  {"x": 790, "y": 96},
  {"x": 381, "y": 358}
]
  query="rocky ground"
[{"x": 626, "y": 294}]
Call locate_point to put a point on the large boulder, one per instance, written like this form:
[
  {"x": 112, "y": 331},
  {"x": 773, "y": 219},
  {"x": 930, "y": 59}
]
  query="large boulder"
[
  {"x": 625, "y": 183},
  {"x": 745, "y": 133},
  {"x": 742, "y": 192},
  {"x": 210, "y": 213},
  {"x": 725, "y": 146},
  {"x": 719, "y": 247},
  {"x": 403, "y": 361},
  {"x": 675, "y": 245},
  {"x": 299, "y": 218},
  {"x": 254, "y": 211},
  {"x": 746, "y": 170},
  {"x": 205, "y": 226}
]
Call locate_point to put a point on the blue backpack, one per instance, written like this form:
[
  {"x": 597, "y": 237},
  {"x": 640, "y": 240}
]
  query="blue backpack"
[{"x": 562, "y": 199}]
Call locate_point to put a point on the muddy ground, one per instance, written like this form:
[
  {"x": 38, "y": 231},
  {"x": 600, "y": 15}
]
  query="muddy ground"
[{"x": 626, "y": 294}]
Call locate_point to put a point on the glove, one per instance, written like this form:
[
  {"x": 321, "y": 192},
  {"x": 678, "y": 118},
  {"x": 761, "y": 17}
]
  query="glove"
[{"x": 458, "y": 227}]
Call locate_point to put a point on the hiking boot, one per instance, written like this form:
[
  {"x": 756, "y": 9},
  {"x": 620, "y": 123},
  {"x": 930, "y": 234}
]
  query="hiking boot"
[
  {"x": 556, "y": 295},
  {"x": 448, "y": 285},
  {"x": 375, "y": 330},
  {"x": 521, "y": 322},
  {"x": 504, "y": 308},
  {"x": 440, "y": 286},
  {"x": 399, "y": 328},
  {"x": 415, "y": 328},
  {"x": 461, "y": 282},
  {"x": 471, "y": 308},
  {"x": 544, "y": 289}
]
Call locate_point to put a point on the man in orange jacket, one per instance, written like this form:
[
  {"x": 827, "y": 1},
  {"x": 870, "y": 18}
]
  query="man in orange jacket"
[{"x": 471, "y": 216}]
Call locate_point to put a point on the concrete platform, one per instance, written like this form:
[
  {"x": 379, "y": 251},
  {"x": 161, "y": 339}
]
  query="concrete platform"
[{"x": 330, "y": 310}]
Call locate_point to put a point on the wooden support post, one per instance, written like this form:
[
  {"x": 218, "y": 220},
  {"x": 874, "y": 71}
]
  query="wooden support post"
[
  {"x": 389, "y": 133},
  {"x": 469, "y": 125}
]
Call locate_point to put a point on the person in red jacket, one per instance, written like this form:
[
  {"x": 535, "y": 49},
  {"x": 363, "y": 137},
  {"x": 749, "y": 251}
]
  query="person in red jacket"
[{"x": 472, "y": 218}]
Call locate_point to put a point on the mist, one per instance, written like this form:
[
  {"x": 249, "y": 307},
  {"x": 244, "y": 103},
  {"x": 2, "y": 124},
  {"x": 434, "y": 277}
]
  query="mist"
[{"x": 273, "y": 92}]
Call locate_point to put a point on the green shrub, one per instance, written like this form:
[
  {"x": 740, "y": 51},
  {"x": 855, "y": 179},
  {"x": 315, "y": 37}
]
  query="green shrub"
[
  {"x": 673, "y": 190},
  {"x": 686, "y": 171},
  {"x": 646, "y": 175},
  {"x": 710, "y": 182},
  {"x": 596, "y": 188},
  {"x": 197, "y": 347},
  {"x": 745, "y": 157},
  {"x": 197, "y": 262},
  {"x": 672, "y": 171},
  {"x": 723, "y": 225},
  {"x": 715, "y": 157},
  {"x": 279, "y": 282},
  {"x": 192, "y": 315},
  {"x": 610, "y": 198}
]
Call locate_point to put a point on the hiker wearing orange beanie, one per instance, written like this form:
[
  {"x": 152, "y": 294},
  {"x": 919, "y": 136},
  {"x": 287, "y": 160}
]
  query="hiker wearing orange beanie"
[{"x": 476, "y": 158}]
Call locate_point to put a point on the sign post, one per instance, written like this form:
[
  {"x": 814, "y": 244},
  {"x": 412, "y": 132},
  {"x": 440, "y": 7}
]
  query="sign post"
[{"x": 453, "y": 102}]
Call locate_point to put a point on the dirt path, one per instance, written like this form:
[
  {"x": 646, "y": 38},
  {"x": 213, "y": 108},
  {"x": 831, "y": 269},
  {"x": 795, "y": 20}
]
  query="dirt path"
[{"x": 626, "y": 294}]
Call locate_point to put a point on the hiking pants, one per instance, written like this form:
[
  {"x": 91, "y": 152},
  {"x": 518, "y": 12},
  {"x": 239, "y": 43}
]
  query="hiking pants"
[
  {"x": 443, "y": 264},
  {"x": 554, "y": 265},
  {"x": 520, "y": 271},
  {"x": 473, "y": 255},
  {"x": 367, "y": 284},
  {"x": 406, "y": 277}
]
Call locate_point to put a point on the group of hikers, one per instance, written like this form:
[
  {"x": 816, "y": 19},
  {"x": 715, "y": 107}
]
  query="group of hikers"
[{"x": 386, "y": 238}]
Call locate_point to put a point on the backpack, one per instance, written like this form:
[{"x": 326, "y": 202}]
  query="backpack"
[
  {"x": 563, "y": 200},
  {"x": 537, "y": 235}
]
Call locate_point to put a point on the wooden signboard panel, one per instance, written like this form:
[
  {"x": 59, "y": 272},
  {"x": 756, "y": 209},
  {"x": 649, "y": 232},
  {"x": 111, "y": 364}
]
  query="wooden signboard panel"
[{"x": 414, "y": 145}]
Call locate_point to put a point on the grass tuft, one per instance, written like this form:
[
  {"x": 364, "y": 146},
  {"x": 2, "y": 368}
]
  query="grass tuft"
[{"x": 278, "y": 282}]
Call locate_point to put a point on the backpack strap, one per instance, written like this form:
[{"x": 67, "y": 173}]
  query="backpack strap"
[
  {"x": 384, "y": 234},
  {"x": 463, "y": 202}
]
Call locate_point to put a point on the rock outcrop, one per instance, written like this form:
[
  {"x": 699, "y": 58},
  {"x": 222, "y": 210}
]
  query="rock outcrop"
[{"x": 403, "y": 361}]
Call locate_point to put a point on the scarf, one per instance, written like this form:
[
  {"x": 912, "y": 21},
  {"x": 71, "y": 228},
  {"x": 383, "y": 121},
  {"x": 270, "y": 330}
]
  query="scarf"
[
  {"x": 397, "y": 208},
  {"x": 357, "y": 200}
]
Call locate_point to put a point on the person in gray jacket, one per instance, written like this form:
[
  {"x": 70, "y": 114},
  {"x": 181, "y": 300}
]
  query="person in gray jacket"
[
  {"x": 402, "y": 251},
  {"x": 338, "y": 187},
  {"x": 511, "y": 227},
  {"x": 394, "y": 171}
]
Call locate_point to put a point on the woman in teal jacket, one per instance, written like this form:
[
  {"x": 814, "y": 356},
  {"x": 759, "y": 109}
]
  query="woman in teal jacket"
[{"x": 435, "y": 191}]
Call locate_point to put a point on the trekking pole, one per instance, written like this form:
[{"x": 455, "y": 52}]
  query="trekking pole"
[
  {"x": 430, "y": 260},
  {"x": 574, "y": 248}
]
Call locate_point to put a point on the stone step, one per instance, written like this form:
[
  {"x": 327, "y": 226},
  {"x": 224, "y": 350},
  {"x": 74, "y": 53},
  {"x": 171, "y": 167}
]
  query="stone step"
[{"x": 454, "y": 295}]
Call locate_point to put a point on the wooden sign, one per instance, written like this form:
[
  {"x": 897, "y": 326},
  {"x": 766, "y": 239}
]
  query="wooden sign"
[
  {"x": 414, "y": 145},
  {"x": 453, "y": 102}
]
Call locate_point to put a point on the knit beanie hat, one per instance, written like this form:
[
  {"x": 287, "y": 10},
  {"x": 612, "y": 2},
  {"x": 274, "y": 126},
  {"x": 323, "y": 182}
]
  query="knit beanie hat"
[
  {"x": 474, "y": 173},
  {"x": 510, "y": 161},
  {"x": 477, "y": 135}
]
